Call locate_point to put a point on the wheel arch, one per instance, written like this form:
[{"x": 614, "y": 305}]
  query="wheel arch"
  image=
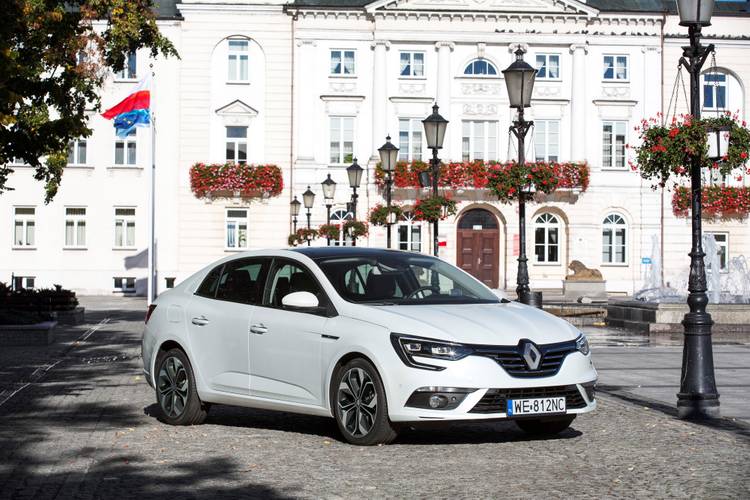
[{"x": 342, "y": 360}]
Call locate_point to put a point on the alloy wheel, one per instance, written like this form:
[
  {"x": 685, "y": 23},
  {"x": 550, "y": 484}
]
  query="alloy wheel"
[
  {"x": 357, "y": 402},
  {"x": 173, "y": 387}
]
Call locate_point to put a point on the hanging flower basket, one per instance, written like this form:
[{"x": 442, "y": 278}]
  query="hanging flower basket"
[
  {"x": 666, "y": 150},
  {"x": 718, "y": 202},
  {"x": 355, "y": 229},
  {"x": 238, "y": 180},
  {"x": 329, "y": 231},
  {"x": 302, "y": 236},
  {"x": 434, "y": 208},
  {"x": 540, "y": 177},
  {"x": 379, "y": 214}
]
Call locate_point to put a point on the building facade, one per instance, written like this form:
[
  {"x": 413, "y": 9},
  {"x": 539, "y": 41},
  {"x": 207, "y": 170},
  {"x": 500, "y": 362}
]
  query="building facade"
[{"x": 310, "y": 86}]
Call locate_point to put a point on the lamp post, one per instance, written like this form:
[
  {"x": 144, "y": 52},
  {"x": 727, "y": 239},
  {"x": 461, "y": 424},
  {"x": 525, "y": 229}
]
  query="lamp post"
[
  {"x": 519, "y": 80},
  {"x": 308, "y": 198},
  {"x": 388, "y": 158},
  {"x": 698, "y": 398},
  {"x": 354, "y": 172},
  {"x": 294, "y": 209},
  {"x": 329, "y": 190},
  {"x": 434, "y": 131}
]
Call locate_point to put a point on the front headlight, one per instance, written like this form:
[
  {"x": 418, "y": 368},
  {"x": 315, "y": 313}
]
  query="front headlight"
[
  {"x": 582, "y": 345},
  {"x": 407, "y": 347}
]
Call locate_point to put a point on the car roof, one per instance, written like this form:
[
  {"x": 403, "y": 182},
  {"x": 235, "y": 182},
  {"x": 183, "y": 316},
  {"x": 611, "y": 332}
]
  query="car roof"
[{"x": 317, "y": 253}]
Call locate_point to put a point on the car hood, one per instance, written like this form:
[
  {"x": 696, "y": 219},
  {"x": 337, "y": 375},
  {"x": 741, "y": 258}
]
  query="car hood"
[{"x": 493, "y": 324}]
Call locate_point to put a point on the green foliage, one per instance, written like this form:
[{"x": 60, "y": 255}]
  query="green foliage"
[
  {"x": 379, "y": 214},
  {"x": 434, "y": 208},
  {"x": 45, "y": 88},
  {"x": 330, "y": 231},
  {"x": 355, "y": 229}
]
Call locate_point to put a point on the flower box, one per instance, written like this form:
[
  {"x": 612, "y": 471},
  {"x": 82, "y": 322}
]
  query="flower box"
[
  {"x": 235, "y": 180},
  {"x": 718, "y": 202}
]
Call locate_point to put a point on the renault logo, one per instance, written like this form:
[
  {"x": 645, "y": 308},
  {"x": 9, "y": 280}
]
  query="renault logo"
[{"x": 530, "y": 354}]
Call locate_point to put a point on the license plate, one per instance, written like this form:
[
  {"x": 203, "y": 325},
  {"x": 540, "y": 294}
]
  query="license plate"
[{"x": 535, "y": 406}]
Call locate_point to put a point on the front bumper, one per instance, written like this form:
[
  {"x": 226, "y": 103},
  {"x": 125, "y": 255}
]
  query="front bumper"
[{"x": 489, "y": 384}]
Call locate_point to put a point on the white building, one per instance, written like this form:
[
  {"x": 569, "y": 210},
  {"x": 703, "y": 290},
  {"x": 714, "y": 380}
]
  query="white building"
[{"x": 310, "y": 85}]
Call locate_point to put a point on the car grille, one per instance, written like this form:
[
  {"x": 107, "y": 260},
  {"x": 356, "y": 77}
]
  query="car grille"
[
  {"x": 510, "y": 358},
  {"x": 494, "y": 400}
]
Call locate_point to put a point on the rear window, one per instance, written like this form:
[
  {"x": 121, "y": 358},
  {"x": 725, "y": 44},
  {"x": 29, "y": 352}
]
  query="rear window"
[{"x": 210, "y": 283}]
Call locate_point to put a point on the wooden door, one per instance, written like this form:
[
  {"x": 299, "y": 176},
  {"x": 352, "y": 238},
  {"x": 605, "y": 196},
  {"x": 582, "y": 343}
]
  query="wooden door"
[{"x": 478, "y": 244}]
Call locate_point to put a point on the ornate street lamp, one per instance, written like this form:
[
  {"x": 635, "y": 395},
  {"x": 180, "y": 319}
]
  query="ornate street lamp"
[
  {"x": 434, "y": 131},
  {"x": 329, "y": 190},
  {"x": 354, "y": 172},
  {"x": 698, "y": 397},
  {"x": 294, "y": 209},
  {"x": 308, "y": 199},
  {"x": 388, "y": 158},
  {"x": 519, "y": 80}
]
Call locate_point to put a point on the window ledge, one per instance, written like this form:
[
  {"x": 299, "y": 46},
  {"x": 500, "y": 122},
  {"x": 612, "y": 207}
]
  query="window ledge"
[
  {"x": 614, "y": 169},
  {"x": 412, "y": 78},
  {"x": 75, "y": 248},
  {"x": 551, "y": 80},
  {"x": 79, "y": 166},
  {"x": 16, "y": 247},
  {"x": 547, "y": 264},
  {"x": 125, "y": 167},
  {"x": 237, "y": 82},
  {"x": 615, "y": 264},
  {"x": 126, "y": 249},
  {"x": 235, "y": 250},
  {"x": 479, "y": 77},
  {"x": 342, "y": 76},
  {"x": 615, "y": 82}
]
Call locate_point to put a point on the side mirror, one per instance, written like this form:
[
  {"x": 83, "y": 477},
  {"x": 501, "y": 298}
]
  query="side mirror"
[{"x": 300, "y": 300}]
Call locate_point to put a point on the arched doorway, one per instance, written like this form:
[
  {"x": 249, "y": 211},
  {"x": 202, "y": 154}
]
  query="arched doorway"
[{"x": 478, "y": 246}]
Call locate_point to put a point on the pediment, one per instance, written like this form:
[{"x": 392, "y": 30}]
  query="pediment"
[
  {"x": 237, "y": 108},
  {"x": 569, "y": 7}
]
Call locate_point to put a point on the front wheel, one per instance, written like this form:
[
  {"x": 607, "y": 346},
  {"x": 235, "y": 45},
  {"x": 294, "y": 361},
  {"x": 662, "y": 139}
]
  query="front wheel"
[
  {"x": 176, "y": 393},
  {"x": 545, "y": 426},
  {"x": 359, "y": 404}
]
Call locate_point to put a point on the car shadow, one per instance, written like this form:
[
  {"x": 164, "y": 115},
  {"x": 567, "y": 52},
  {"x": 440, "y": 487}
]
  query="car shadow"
[{"x": 419, "y": 434}]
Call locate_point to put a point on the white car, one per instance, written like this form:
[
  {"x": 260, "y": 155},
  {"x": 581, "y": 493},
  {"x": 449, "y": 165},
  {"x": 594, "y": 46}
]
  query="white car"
[{"x": 375, "y": 338}]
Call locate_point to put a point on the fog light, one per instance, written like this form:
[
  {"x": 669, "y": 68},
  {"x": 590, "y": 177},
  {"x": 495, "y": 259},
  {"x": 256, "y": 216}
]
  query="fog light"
[{"x": 438, "y": 401}]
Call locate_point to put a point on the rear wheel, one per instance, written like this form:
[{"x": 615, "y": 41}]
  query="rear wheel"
[
  {"x": 359, "y": 404},
  {"x": 545, "y": 426},
  {"x": 176, "y": 393}
]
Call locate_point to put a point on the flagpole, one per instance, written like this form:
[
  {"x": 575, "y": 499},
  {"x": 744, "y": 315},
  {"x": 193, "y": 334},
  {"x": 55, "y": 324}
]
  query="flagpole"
[{"x": 151, "y": 203}]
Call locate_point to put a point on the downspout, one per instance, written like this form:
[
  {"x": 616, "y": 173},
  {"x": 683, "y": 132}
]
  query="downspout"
[{"x": 291, "y": 120}]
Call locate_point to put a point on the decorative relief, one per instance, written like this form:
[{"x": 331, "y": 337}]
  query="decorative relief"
[
  {"x": 616, "y": 92},
  {"x": 411, "y": 88},
  {"x": 342, "y": 87},
  {"x": 480, "y": 109},
  {"x": 547, "y": 91},
  {"x": 480, "y": 88}
]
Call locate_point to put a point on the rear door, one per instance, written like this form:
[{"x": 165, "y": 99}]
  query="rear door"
[
  {"x": 219, "y": 316},
  {"x": 285, "y": 345}
]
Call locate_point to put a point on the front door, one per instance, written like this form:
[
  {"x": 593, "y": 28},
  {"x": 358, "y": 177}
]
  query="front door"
[{"x": 478, "y": 243}]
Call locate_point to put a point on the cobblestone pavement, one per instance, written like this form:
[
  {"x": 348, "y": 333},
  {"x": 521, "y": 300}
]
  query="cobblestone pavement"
[{"x": 85, "y": 429}]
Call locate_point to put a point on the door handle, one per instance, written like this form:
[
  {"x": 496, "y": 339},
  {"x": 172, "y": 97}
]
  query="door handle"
[
  {"x": 202, "y": 321},
  {"x": 258, "y": 329}
]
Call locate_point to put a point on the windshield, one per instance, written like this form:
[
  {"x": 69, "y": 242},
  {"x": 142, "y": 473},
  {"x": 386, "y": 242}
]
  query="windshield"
[{"x": 402, "y": 278}]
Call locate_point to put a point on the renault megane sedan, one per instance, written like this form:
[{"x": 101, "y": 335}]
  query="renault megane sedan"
[{"x": 376, "y": 339}]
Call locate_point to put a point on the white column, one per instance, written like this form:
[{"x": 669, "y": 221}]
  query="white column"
[
  {"x": 306, "y": 102},
  {"x": 442, "y": 96},
  {"x": 578, "y": 102},
  {"x": 379, "y": 96}
]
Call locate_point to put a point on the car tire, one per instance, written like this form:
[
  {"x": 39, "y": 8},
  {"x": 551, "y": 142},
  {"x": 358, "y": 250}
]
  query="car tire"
[
  {"x": 176, "y": 394},
  {"x": 545, "y": 426},
  {"x": 359, "y": 404}
]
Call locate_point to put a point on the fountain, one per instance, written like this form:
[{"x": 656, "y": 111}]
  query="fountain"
[{"x": 659, "y": 308}]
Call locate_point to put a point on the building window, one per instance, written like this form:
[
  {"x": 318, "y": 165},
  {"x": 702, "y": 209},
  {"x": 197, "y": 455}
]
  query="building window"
[
  {"x": 124, "y": 227},
  {"x": 128, "y": 72},
  {"x": 547, "y": 239},
  {"x": 722, "y": 244},
  {"x": 236, "y": 150},
  {"x": 479, "y": 140},
  {"x": 411, "y": 63},
  {"x": 75, "y": 227},
  {"x": 409, "y": 234},
  {"x": 409, "y": 139},
  {"x": 24, "y": 227},
  {"x": 342, "y": 139},
  {"x": 614, "y": 239},
  {"x": 613, "y": 144},
  {"x": 21, "y": 282},
  {"x": 124, "y": 284},
  {"x": 77, "y": 152},
  {"x": 339, "y": 217},
  {"x": 237, "y": 60},
  {"x": 714, "y": 91},
  {"x": 615, "y": 68},
  {"x": 480, "y": 67},
  {"x": 125, "y": 149},
  {"x": 548, "y": 66},
  {"x": 547, "y": 140},
  {"x": 236, "y": 228},
  {"x": 342, "y": 62}
]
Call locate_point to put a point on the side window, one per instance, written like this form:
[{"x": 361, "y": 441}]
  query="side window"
[
  {"x": 288, "y": 278},
  {"x": 241, "y": 281},
  {"x": 208, "y": 287}
]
